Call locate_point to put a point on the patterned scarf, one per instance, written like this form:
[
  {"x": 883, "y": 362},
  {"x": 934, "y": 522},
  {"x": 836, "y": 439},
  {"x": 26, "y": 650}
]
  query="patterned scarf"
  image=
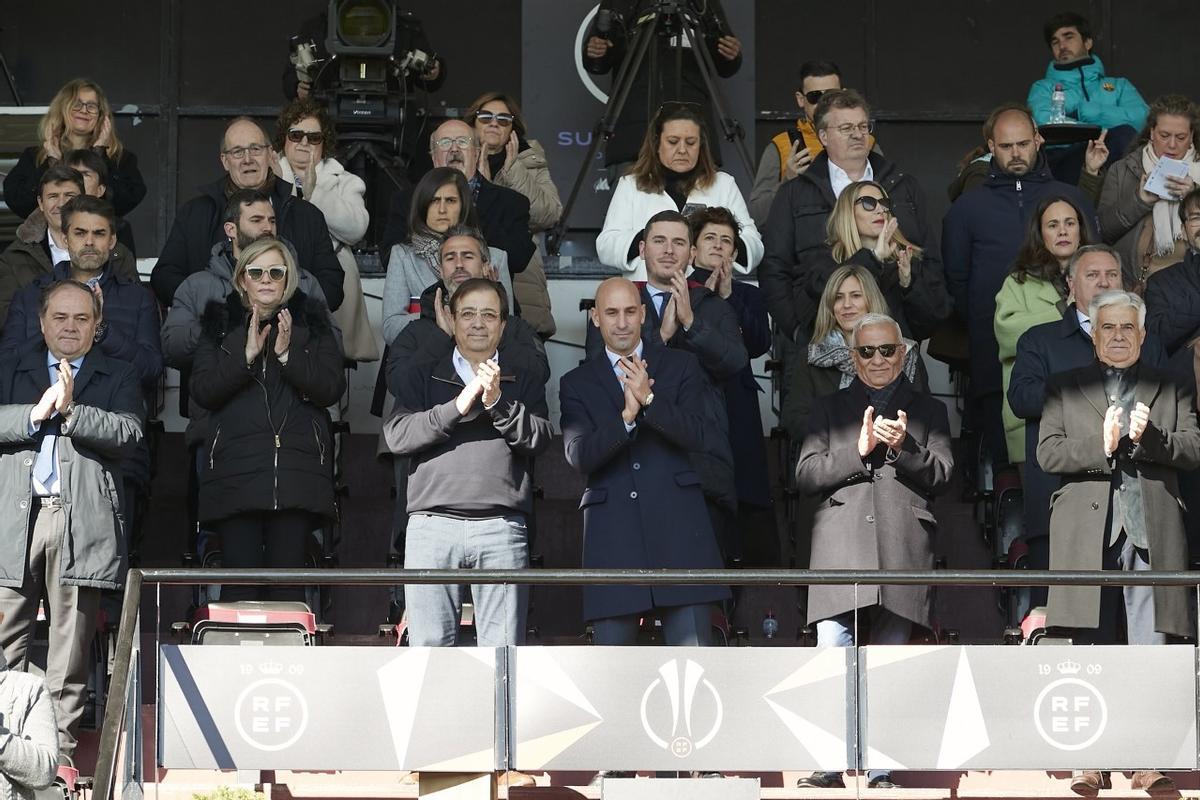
[{"x": 429, "y": 248}]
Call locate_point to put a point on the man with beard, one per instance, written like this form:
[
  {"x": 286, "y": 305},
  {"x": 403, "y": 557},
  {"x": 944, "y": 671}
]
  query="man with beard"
[
  {"x": 503, "y": 212},
  {"x": 980, "y": 237},
  {"x": 246, "y": 155}
]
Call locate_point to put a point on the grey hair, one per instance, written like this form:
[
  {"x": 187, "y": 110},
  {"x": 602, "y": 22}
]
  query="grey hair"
[
  {"x": 1088, "y": 249},
  {"x": 1120, "y": 299},
  {"x": 875, "y": 319},
  {"x": 472, "y": 233}
]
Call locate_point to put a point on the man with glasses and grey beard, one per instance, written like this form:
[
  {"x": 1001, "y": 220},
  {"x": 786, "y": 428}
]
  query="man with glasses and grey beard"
[
  {"x": 503, "y": 212},
  {"x": 245, "y": 155},
  {"x": 876, "y": 453},
  {"x": 795, "y": 229}
]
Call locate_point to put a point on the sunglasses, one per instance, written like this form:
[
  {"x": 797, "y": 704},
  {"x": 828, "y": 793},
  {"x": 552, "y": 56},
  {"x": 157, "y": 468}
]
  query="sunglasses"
[
  {"x": 812, "y": 97},
  {"x": 295, "y": 136},
  {"x": 867, "y": 351},
  {"x": 869, "y": 203},
  {"x": 501, "y": 119},
  {"x": 276, "y": 273}
]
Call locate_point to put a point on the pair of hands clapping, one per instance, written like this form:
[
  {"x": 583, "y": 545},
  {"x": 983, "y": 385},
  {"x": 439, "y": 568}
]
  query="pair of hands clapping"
[
  {"x": 56, "y": 399},
  {"x": 1139, "y": 420},
  {"x": 877, "y": 430},
  {"x": 257, "y": 333},
  {"x": 484, "y": 386}
]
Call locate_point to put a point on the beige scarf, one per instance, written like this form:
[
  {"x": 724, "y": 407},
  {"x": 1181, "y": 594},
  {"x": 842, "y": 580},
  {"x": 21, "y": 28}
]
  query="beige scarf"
[{"x": 1167, "y": 226}]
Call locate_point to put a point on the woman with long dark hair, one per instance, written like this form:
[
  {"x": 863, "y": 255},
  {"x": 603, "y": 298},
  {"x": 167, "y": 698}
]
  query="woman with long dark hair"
[
  {"x": 675, "y": 171},
  {"x": 1035, "y": 292}
]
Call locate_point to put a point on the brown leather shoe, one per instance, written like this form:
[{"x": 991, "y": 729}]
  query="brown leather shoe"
[
  {"x": 1151, "y": 780},
  {"x": 514, "y": 778},
  {"x": 1088, "y": 783}
]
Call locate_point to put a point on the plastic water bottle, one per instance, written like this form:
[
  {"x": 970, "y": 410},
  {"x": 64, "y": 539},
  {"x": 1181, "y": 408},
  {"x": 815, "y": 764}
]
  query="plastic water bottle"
[
  {"x": 770, "y": 626},
  {"x": 1058, "y": 105}
]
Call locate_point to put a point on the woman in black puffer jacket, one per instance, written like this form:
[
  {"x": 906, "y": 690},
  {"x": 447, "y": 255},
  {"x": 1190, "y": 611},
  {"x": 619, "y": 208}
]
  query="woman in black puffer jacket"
[{"x": 267, "y": 364}]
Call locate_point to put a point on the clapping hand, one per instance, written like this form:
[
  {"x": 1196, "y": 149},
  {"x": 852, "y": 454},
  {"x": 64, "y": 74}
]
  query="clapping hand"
[
  {"x": 256, "y": 336},
  {"x": 488, "y": 373},
  {"x": 868, "y": 439},
  {"x": 904, "y": 266},
  {"x": 442, "y": 314},
  {"x": 66, "y": 385},
  {"x": 636, "y": 383},
  {"x": 283, "y": 337},
  {"x": 1139, "y": 420},
  {"x": 721, "y": 279},
  {"x": 1112, "y": 429},
  {"x": 885, "y": 246},
  {"x": 891, "y": 431}
]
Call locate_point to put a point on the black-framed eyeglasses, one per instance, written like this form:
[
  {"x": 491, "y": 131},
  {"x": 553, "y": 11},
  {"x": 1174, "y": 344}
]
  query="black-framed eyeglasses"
[
  {"x": 297, "y": 135},
  {"x": 237, "y": 153},
  {"x": 501, "y": 119},
  {"x": 275, "y": 273},
  {"x": 867, "y": 351},
  {"x": 814, "y": 96},
  {"x": 870, "y": 203},
  {"x": 89, "y": 107}
]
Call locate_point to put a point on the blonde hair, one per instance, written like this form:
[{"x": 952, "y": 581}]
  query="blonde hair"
[
  {"x": 60, "y": 107},
  {"x": 826, "y": 320},
  {"x": 256, "y": 249},
  {"x": 841, "y": 230}
]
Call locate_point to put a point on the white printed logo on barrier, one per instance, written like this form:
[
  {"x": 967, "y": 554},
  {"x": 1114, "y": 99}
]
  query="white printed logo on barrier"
[
  {"x": 681, "y": 693},
  {"x": 271, "y": 714},
  {"x": 1070, "y": 713}
]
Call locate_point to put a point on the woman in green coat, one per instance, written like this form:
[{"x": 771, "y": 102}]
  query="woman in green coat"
[{"x": 1035, "y": 292}]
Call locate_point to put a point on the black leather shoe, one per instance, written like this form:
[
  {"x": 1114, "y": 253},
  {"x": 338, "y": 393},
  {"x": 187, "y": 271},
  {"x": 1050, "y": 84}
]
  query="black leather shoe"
[{"x": 822, "y": 780}]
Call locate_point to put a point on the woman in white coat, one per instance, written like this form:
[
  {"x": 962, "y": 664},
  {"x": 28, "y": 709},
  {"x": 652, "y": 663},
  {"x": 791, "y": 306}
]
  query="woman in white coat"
[
  {"x": 304, "y": 135},
  {"x": 675, "y": 171}
]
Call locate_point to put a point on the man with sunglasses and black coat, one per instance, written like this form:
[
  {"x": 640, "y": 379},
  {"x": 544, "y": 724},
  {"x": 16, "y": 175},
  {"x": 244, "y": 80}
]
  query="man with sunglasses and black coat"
[
  {"x": 795, "y": 229},
  {"x": 199, "y": 224},
  {"x": 875, "y": 455}
]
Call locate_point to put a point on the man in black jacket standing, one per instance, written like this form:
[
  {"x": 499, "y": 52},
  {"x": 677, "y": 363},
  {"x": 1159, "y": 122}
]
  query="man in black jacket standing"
[
  {"x": 981, "y": 235},
  {"x": 1173, "y": 294},
  {"x": 471, "y": 428},
  {"x": 246, "y": 157},
  {"x": 795, "y": 229},
  {"x": 503, "y": 212}
]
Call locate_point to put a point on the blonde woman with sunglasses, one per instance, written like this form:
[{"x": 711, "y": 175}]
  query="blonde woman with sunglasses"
[{"x": 267, "y": 365}]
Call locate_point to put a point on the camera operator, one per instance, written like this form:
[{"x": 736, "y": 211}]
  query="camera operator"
[
  {"x": 667, "y": 72},
  {"x": 410, "y": 38}
]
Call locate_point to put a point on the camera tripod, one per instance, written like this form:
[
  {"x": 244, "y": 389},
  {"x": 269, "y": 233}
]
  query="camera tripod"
[{"x": 659, "y": 14}]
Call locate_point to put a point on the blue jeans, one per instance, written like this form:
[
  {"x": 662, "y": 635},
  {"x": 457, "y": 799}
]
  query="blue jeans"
[{"x": 434, "y": 610}]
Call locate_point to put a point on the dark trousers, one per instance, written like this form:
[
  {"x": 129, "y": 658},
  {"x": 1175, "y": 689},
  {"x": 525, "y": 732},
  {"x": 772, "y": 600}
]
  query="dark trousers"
[
  {"x": 683, "y": 626},
  {"x": 265, "y": 539}
]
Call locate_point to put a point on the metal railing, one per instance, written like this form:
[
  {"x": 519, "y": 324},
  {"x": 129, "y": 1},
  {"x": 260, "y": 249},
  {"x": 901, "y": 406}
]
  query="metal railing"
[{"x": 124, "y": 663}]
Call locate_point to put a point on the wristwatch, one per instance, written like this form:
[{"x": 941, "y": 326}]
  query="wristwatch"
[{"x": 649, "y": 399}]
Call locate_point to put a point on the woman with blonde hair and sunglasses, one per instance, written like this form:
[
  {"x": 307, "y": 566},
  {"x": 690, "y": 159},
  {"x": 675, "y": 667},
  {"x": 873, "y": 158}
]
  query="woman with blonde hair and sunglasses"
[
  {"x": 675, "y": 171},
  {"x": 79, "y": 118},
  {"x": 863, "y": 230},
  {"x": 267, "y": 365}
]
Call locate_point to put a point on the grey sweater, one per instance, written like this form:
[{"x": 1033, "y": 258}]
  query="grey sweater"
[{"x": 28, "y": 735}]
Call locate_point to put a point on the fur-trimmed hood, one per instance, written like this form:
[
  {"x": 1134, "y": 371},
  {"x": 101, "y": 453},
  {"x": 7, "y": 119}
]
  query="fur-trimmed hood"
[{"x": 221, "y": 317}]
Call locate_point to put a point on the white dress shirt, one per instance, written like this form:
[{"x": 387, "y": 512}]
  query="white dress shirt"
[
  {"x": 839, "y": 179},
  {"x": 614, "y": 360}
]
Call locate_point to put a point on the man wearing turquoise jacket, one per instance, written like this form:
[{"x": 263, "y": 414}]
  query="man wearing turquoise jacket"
[{"x": 1091, "y": 96}]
